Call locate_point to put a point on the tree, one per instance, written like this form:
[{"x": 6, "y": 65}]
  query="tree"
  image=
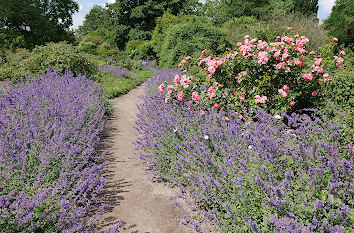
[
  {"x": 305, "y": 7},
  {"x": 220, "y": 11},
  {"x": 340, "y": 23},
  {"x": 38, "y": 21},
  {"x": 96, "y": 18},
  {"x": 138, "y": 16}
]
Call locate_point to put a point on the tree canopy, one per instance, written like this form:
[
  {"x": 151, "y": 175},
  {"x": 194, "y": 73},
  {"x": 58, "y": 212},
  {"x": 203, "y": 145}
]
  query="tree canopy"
[
  {"x": 221, "y": 11},
  {"x": 340, "y": 23},
  {"x": 38, "y": 21}
]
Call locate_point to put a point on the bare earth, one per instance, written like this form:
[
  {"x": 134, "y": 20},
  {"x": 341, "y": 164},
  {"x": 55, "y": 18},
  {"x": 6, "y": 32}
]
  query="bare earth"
[{"x": 132, "y": 194}]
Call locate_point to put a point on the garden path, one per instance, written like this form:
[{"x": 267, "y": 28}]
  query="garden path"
[{"x": 131, "y": 193}]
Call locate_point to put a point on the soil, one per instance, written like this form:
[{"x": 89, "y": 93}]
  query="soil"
[{"x": 133, "y": 195}]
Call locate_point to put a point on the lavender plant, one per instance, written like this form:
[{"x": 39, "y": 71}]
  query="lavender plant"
[
  {"x": 260, "y": 173},
  {"x": 160, "y": 77},
  {"x": 50, "y": 172},
  {"x": 118, "y": 71}
]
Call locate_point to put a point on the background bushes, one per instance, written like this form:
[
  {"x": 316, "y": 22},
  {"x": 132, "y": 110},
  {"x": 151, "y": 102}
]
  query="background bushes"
[
  {"x": 60, "y": 56},
  {"x": 189, "y": 38}
]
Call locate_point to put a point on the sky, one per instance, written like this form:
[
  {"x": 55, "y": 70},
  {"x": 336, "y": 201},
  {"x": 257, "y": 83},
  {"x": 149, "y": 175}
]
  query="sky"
[{"x": 325, "y": 8}]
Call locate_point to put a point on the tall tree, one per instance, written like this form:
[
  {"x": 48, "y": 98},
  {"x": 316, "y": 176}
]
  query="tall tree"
[
  {"x": 306, "y": 7},
  {"x": 96, "y": 18},
  {"x": 340, "y": 23},
  {"x": 221, "y": 11},
  {"x": 137, "y": 17},
  {"x": 38, "y": 21}
]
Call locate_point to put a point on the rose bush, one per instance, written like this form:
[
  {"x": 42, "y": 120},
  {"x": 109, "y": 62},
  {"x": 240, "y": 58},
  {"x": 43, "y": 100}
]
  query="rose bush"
[{"x": 277, "y": 76}]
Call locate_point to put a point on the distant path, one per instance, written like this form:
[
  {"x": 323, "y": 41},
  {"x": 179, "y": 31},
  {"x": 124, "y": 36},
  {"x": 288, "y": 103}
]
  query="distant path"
[{"x": 131, "y": 193}]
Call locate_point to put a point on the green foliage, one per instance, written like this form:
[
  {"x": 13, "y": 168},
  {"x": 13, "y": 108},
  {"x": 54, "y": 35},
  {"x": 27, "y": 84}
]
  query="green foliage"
[
  {"x": 60, "y": 56},
  {"x": 114, "y": 86},
  {"x": 10, "y": 40},
  {"x": 135, "y": 20},
  {"x": 236, "y": 28},
  {"x": 162, "y": 24},
  {"x": 38, "y": 21},
  {"x": 95, "y": 19},
  {"x": 188, "y": 38},
  {"x": 340, "y": 24},
  {"x": 340, "y": 93},
  {"x": 220, "y": 11},
  {"x": 140, "y": 49},
  {"x": 89, "y": 44}
]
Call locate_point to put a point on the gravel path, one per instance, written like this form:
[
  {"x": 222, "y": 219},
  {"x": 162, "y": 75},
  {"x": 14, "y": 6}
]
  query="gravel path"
[{"x": 132, "y": 194}]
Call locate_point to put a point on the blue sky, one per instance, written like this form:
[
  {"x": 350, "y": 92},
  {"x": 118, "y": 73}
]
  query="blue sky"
[{"x": 85, "y": 6}]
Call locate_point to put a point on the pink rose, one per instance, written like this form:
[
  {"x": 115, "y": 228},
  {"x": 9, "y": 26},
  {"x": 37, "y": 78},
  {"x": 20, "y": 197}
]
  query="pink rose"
[
  {"x": 180, "y": 96},
  {"x": 244, "y": 73},
  {"x": 211, "y": 69},
  {"x": 283, "y": 93},
  {"x": 318, "y": 61},
  {"x": 334, "y": 39},
  {"x": 247, "y": 36},
  {"x": 215, "y": 84},
  {"x": 176, "y": 79},
  {"x": 325, "y": 75},
  {"x": 242, "y": 98},
  {"x": 161, "y": 87},
  {"x": 289, "y": 28},
  {"x": 201, "y": 112},
  {"x": 166, "y": 100},
  {"x": 216, "y": 106},
  {"x": 312, "y": 53},
  {"x": 342, "y": 53},
  {"x": 298, "y": 62},
  {"x": 259, "y": 99},
  {"x": 307, "y": 76},
  {"x": 170, "y": 88},
  {"x": 195, "y": 96},
  {"x": 286, "y": 88},
  {"x": 292, "y": 103},
  {"x": 314, "y": 93},
  {"x": 239, "y": 44}
]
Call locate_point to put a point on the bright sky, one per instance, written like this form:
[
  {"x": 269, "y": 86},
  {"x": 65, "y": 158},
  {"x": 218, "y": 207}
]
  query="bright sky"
[{"x": 325, "y": 8}]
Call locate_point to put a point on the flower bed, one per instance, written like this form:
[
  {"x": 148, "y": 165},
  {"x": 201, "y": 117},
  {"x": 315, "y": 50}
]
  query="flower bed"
[
  {"x": 50, "y": 172},
  {"x": 259, "y": 173},
  {"x": 277, "y": 76}
]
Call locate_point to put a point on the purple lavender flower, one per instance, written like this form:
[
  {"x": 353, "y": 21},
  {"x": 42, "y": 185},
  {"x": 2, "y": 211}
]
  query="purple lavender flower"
[
  {"x": 118, "y": 71},
  {"x": 281, "y": 174},
  {"x": 50, "y": 171}
]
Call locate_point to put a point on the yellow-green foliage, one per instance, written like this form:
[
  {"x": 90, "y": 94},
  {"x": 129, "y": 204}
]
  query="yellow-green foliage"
[
  {"x": 309, "y": 26},
  {"x": 162, "y": 25},
  {"x": 59, "y": 56}
]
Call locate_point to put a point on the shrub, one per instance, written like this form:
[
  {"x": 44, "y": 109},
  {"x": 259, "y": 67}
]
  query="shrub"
[
  {"x": 188, "y": 38},
  {"x": 268, "y": 30},
  {"x": 258, "y": 174},
  {"x": 162, "y": 25},
  {"x": 50, "y": 174},
  {"x": 89, "y": 44},
  {"x": 60, "y": 56},
  {"x": 278, "y": 76}
]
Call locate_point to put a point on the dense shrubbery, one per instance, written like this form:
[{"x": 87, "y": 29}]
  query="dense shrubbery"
[
  {"x": 60, "y": 56},
  {"x": 260, "y": 173},
  {"x": 189, "y": 38},
  {"x": 268, "y": 30},
  {"x": 50, "y": 172},
  {"x": 278, "y": 76}
]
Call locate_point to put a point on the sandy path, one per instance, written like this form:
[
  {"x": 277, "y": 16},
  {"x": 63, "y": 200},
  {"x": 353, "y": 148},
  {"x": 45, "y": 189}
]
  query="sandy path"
[{"x": 132, "y": 194}]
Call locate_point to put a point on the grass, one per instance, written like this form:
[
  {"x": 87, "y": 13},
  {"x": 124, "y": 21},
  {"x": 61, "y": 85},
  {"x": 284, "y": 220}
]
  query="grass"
[{"x": 115, "y": 86}]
